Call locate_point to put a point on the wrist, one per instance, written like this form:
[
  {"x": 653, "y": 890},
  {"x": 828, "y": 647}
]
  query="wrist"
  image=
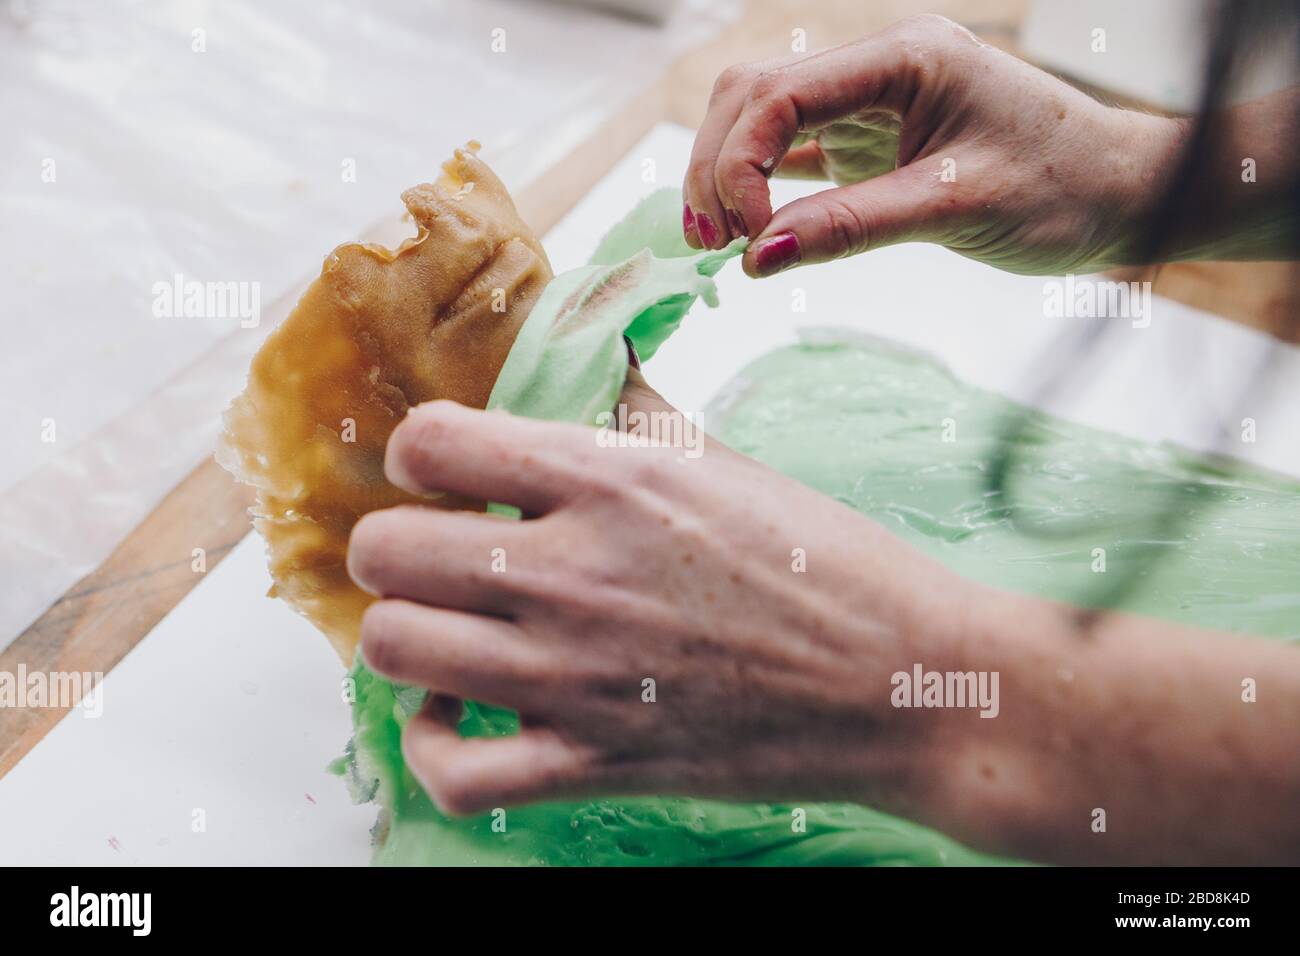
[
  {"x": 1145, "y": 152},
  {"x": 989, "y": 772},
  {"x": 936, "y": 702}
]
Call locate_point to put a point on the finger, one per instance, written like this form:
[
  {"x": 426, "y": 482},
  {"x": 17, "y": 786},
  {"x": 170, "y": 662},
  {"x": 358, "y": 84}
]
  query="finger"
[
  {"x": 704, "y": 218},
  {"x": 469, "y": 775},
  {"x": 452, "y": 559},
  {"x": 453, "y": 653},
  {"x": 689, "y": 230},
  {"x": 803, "y": 162},
  {"x": 494, "y": 456},
  {"x": 875, "y": 73},
  {"x": 639, "y": 396},
  {"x": 910, "y": 203},
  {"x": 444, "y": 707}
]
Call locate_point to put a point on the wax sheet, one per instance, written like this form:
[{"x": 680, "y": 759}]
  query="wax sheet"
[{"x": 569, "y": 361}]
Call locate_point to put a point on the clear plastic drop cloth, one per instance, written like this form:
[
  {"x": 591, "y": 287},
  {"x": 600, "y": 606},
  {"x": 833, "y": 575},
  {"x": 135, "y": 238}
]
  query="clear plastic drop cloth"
[{"x": 156, "y": 148}]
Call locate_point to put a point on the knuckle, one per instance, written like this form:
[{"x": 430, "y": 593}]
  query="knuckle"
[
  {"x": 730, "y": 78},
  {"x": 766, "y": 88},
  {"x": 380, "y": 642},
  {"x": 699, "y": 179},
  {"x": 932, "y": 32},
  {"x": 634, "y": 471},
  {"x": 531, "y": 669},
  {"x": 420, "y": 755},
  {"x": 846, "y": 226},
  {"x": 925, "y": 26},
  {"x": 455, "y": 789},
  {"x": 604, "y": 488},
  {"x": 555, "y": 587},
  {"x": 369, "y": 545},
  {"x": 726, "y": 174},
  {"x": 573, "y": 586},
  {"x": 423, "y": 437},
  {"x": 601, "y": 476},
  {"x": 643, "y": 471}
]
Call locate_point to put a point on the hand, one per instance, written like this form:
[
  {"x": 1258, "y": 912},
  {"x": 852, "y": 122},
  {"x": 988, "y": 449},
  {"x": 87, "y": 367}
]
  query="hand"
[
  {"x": 771, "y": 683},
  {"x": 932, "y": 136},
  {"x": 636, "y": 564}
]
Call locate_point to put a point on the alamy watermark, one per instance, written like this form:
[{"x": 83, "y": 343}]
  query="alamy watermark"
[
  {"x": 57, "y": 689},
  {"x": 133, "y": 911},
  {"x": 948, "y": 689},
  {"x": 181, "y": 299},
  {"x": 1087, "y": 298},
  {"x": 628, "y": 428}
]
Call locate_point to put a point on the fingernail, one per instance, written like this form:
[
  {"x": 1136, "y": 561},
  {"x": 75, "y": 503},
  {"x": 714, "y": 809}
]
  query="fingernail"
[
  {"x": 688, "y": 219},
  {"x": 633, "y": 359},
  {"x": 776, "y": 253},
  {"x": 736, "y": 223},
  {"x": 708, "y": 231}
]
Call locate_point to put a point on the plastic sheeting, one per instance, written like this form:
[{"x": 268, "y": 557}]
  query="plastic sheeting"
[{"x": 229, "y": 142}]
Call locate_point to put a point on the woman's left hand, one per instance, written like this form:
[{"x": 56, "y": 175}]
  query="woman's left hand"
[{"x": 663, "y": 622}]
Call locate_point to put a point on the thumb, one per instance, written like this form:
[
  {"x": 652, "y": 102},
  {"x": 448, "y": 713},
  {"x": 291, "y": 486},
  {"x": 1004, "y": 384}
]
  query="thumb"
[
  {"x": 638, "y": 395},
  {"x": 909, "y": 203}
]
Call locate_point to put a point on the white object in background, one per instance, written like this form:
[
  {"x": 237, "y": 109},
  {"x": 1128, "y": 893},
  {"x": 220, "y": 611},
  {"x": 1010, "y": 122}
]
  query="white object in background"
[
  {"x": 180, "y": 729},
  {"x": 1152, "y": 51},
  {"x": 211, "y": 749}
]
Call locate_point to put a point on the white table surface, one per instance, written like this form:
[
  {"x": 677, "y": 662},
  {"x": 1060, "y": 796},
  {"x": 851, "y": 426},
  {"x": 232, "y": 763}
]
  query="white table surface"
[{"x": 231, "y": 704}]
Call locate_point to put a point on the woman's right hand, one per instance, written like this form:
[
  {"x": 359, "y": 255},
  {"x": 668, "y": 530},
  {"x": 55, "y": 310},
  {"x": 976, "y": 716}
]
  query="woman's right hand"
[{"x": 932, "y": 136}]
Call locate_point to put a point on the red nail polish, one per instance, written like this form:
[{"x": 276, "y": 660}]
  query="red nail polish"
[
  {"x": 776, "y": 253},
  {"x": 736, "y": 223},
  {"x": 708, "y": 231},
  {"x": 688, "y": 219}
]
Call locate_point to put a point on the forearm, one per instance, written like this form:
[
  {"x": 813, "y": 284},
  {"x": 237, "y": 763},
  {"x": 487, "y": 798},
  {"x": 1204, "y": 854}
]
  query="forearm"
[
  {"x": 1241, "y": 201},
  {"x": 1144, "y": 721}
]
